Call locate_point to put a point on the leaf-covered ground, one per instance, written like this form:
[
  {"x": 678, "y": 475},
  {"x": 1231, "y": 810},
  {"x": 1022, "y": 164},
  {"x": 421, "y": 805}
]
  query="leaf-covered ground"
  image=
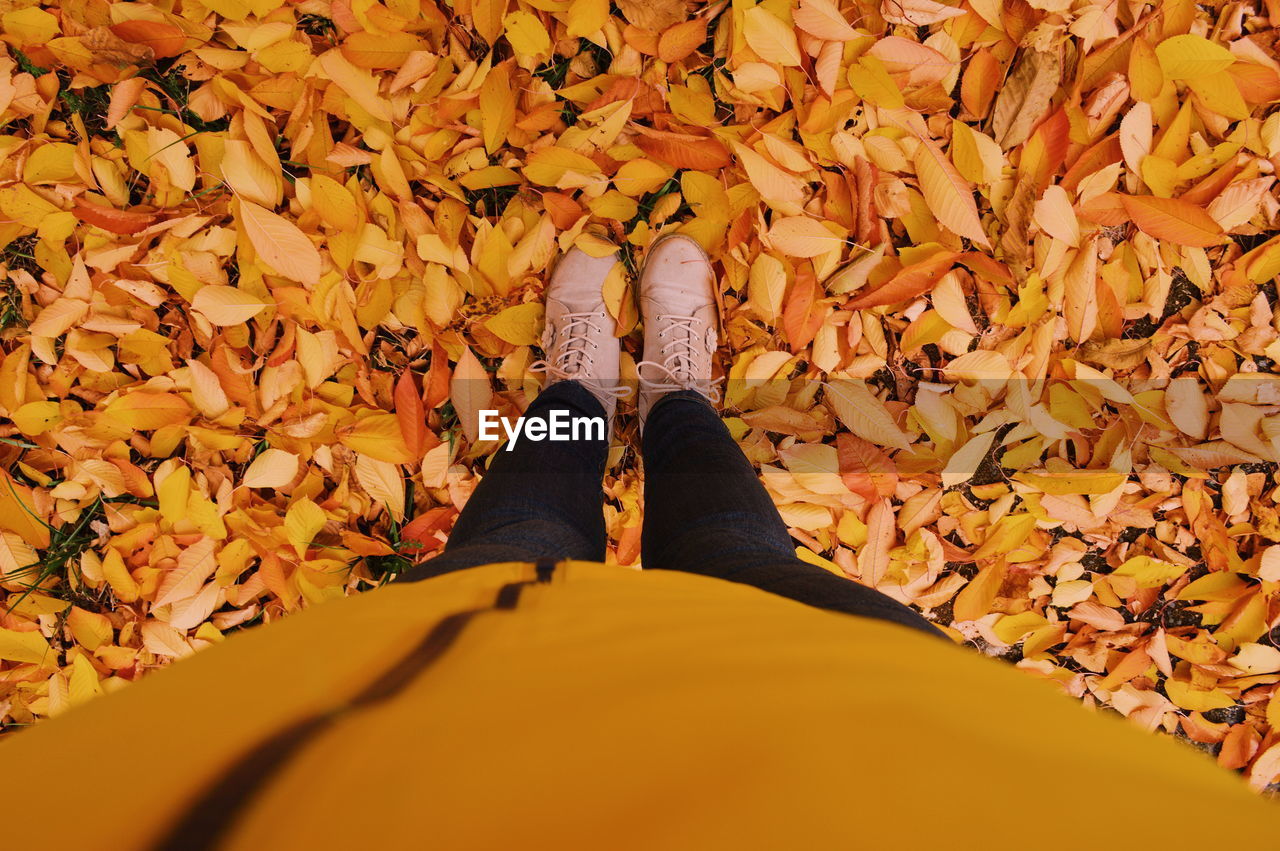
[{"x": 997, "y": 283}]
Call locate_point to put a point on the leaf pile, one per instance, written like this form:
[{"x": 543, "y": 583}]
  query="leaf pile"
[{"x": 997, "y": 282}]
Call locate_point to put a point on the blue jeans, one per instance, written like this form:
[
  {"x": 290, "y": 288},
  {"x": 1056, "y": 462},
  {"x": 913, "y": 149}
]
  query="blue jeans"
[{"x": 705, "y": 509}]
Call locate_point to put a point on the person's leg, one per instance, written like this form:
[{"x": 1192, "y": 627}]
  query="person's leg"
[
  {"x": 706, "y": 512},
  {"x": 542, "y": 499}
]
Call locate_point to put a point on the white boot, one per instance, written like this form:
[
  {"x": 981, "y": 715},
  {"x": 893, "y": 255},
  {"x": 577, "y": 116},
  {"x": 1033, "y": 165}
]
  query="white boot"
[
  {"x": 578, "y": 339},
  {"x": 677, "y": 301}
]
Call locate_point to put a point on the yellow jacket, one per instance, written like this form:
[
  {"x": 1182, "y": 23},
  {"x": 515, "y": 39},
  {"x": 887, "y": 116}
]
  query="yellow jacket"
[{"x": 604, "y": 709}]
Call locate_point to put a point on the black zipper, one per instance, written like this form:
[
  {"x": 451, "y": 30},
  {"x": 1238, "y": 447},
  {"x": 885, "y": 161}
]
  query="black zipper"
[{"x": 214, "y": 815}]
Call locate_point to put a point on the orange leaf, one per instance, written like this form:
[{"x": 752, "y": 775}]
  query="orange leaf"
[
  {"x": 803, "y": 312},
  {"x": 1172, "y": 220},
  {"x": 911, "y": 281},
  {"x": 380, "y": 50},
  {"x": 864, "y": 468},
  {"x": 681, "y": 40},
  {"x": 124, "y": 95},
  {"x": 682, "y": 150},
  {"x": 164, "y": 39},
  {"x": 123, "y": 222},
  {"x": 563, "y": 210},
  {"x": 420, "y": 528},
  {"x": 146, "y": 410},
  {"x": 411, "y": 414},
  {"x": 1106, "y": 209},
  {"x": 435, "y": 387},
  {"x": 979, "y": 84}
]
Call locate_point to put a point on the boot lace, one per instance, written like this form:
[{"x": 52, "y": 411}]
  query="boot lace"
[
  {"x": 572, "y": 360},
  {"x": 677, "y": 358}
]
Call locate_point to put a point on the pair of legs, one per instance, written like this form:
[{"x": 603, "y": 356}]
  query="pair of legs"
[{"x": 705, "y": 509}]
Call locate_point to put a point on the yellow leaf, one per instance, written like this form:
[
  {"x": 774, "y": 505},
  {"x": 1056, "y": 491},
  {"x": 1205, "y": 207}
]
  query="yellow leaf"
[
  {"x": 1186, "y": 696},
  {"x": 301, "y": 523},
  {"x": 195, "y": 564},
  {"x": 27, "y": 647},
  {"x": 359, "y": 84},
  {"x": 975, "y": 599},
  {"x": 586, "y": 17},
  {"x": 83, "y": 684},
  {"x": 519, "y": 325},
  {"x": 251, "y": 178},
  {"x": 947, "y": 194},
  {"x": 801, "y": 236},
  {"x": 1187, "y": 406},
  {"x": 766, "y": 285},
  {"x": 206, "y": 390},
  {"x": 1055, "y": 216},
  {"x": 527, "y": 36},
  {"x": 50, "y": 163},
  {"x": 16, "y": 555},
  {"x": 227, "y": 305},
  {"x": 869, "y": 78},
  {"x": 770, "y": 38},
  {"x": 383, "y": 482},
  {"x": 18, "y": 512},
  {"x": 334, "y": 204},
  {"x": 976, "y": 155},
  {"x": 497, "y": 107},
  {"x": 36, "y": 418},
  {"x": 821, "y": 19},
  {"x": 280, "y": 244},
  {"x": 1083, "y": 481},
  {"x": 979, "y": 365},
  {"x": 781, "y": 190},
  {"x": 29, "y": 26},
  {"x": 123, "y": 585},
  {"x": 1187, "y": 57},
  {"x": 560, "y": 167},
  {"x": 173, "y": 493},
  {"x": 1013, "y": 628},
  {"x": 274, "y": 468},
  {"x": 378, "y": 436},
  {"x": 1150, "y": 572},
  {"x": 380, "y": 50},
  {"x": 961, "y": 466},
  {"x": 863, "y": 414},
  {"x": 1146, "y": 79},
  {"x": 56, "y": 319},
  {"x": 90, "y": 629},
  {"x": 619, "y": 301},
  {"x": 1219, "y": 93}
]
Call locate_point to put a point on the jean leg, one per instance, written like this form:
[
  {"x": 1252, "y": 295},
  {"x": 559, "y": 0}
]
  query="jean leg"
[
  {"x": 541, "y": 499},
  {"x": 706, "y": 512}
]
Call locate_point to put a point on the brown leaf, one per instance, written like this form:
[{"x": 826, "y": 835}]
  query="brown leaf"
[{"x": 1025, "y": 97}]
